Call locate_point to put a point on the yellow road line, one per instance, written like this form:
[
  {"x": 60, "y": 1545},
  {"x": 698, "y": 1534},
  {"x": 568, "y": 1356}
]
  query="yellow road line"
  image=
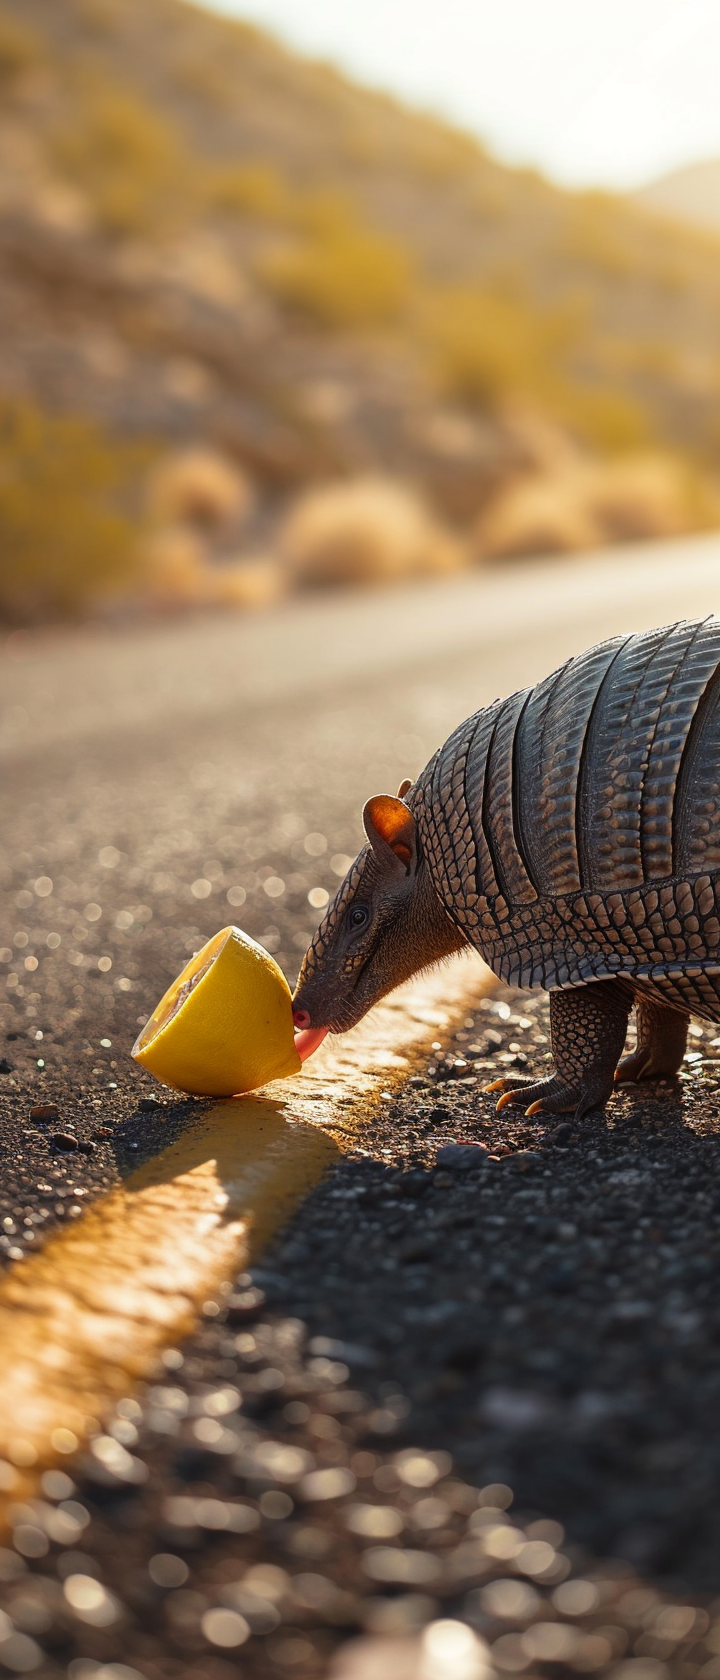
[{"x": 86, "y": 1317}]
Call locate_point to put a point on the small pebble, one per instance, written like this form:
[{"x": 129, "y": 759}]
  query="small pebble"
[
  {"x": 525, "y": 1158},
  {"x": 246, "y": 1305},
  {"x": 461, "y": 1157},
  {"x": 64, "y": 1140},
  {"x": 147, "y": 1104},
  {"x": 5, "y": 1065},
  {"x": 45, "y": 1111}
]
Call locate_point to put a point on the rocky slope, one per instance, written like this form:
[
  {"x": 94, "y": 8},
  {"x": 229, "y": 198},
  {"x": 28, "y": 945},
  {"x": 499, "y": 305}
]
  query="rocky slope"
[{"x": 205, "y": 239}]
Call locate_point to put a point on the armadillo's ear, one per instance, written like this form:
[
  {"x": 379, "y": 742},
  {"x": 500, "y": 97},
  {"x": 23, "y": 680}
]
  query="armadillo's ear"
[
  {"x": 404, "y": 787},
  {"x": 390, "y": 828}
]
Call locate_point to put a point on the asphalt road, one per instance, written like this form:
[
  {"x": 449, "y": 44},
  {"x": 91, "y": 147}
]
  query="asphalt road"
[{"x": 161, "y": 783}]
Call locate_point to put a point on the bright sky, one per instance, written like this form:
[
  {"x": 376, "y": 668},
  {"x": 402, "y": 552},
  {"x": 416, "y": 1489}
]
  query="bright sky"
[{"x": 592, "y": 91}]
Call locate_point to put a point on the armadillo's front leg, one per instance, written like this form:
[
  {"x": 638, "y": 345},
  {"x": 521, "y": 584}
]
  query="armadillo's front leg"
[
  {"x": 661, "y": 1041},
  {"x": 588, "y": 1025}
]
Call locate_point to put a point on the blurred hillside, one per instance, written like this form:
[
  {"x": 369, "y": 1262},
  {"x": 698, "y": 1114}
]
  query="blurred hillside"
[
  {"x": 207, "y": 242},
  {"x": 691, "y": 194}
]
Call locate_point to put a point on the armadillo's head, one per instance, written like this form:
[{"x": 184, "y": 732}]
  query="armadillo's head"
[{"x": 385, "y": 922}]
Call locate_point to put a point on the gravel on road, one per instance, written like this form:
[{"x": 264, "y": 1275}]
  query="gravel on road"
[{"x": 474, "y": 1381}]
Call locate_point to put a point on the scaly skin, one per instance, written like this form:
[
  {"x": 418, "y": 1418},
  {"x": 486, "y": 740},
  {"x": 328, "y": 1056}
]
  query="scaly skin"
[
  {"x": 661, "y": 1041},
  {"x": 587, "y": 1032},
  {"x": 588, "y": 1027},
  {"x": 573, "y": 832}
]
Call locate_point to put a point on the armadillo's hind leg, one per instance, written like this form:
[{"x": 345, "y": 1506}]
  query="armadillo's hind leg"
[
  {"x": 588, "y": 1025},
  {"x": 661, "y": 1040}
]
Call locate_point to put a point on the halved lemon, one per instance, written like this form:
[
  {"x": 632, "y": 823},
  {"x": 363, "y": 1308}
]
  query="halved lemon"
[{"x": 225, "y": 1025}]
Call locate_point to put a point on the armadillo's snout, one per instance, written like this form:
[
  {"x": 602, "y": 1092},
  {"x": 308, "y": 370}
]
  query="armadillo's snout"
[{"x": 307, "y": 1038}]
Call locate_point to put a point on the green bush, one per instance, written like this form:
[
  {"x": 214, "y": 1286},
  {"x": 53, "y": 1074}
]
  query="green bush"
[
  {"x": 491, "y": 347},
  {"x": 100, "y": 17},
  {"x": 250, "y": 189},
  {"x": 344, "y": 276},
  {"x": 609, "y": 419},
  {"x": 20, "y": 49},
  {"x": 486, "y": 347},
  {"x": 325, "y": 214},
  {"x": 261, "y": 192},
  {"x": 65, "y": 540},
  {"x": 130, "y": 162}
]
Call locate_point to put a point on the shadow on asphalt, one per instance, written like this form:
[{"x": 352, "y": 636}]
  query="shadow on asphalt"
[
  {"x": 251, "y": 1154},
  {"x": 555, "y": 1318}
]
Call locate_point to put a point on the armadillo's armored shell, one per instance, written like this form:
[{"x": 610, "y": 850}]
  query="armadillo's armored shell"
[{"x": 573, "y": 830}]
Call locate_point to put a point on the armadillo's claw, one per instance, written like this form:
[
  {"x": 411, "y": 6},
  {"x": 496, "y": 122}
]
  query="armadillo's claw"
[
  {"x": 548, "y": 1096},
  {"x": 514, "y": 1087},
  {"x": 509, "y": 1097},
  {"x": 656, "y": 1061}
]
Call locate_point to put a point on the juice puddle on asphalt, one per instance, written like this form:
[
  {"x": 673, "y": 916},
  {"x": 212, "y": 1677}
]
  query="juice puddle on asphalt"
[{"x": 93, "y": 1310}]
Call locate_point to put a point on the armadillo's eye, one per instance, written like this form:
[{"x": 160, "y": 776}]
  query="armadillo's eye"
[{"x": 359, "y": 917}]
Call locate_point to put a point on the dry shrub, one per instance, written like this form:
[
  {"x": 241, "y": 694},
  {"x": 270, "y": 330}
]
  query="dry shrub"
[
  {"x": 578, "y": 505},
  {"x": 372, "y": 530},
  {"x": 643, "y": 496},
  {"x": 174, "y": 561},
  {"x": 541, "y": 514},
  {"x": 250, "y": 584},
  {"x": 538, "y": 443},
  {"x": 179, "y": 578},
  {"x": 66, "y": 538},
  {"x": 200, "y": 488}
]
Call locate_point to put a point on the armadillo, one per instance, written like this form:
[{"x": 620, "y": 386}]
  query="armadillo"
[{"x": 571, "y": 834}]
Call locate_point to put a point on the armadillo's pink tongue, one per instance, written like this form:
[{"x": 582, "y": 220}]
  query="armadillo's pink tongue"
[{"x": 308, "y": 1040}]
